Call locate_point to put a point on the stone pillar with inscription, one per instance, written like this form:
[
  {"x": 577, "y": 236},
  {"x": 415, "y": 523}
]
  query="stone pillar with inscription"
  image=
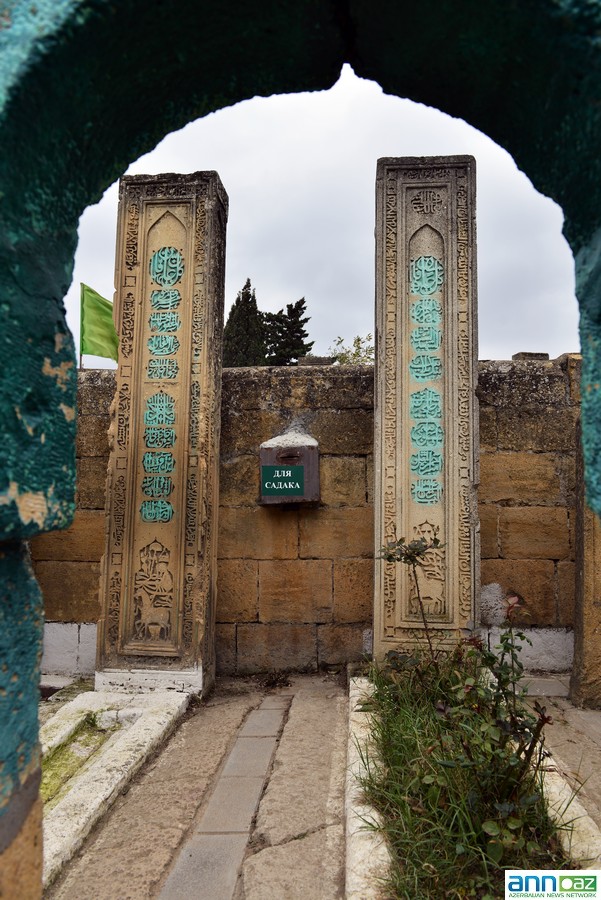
[
  {"x": 158, "y": 577},
  {"x": 426, "y": 469}
]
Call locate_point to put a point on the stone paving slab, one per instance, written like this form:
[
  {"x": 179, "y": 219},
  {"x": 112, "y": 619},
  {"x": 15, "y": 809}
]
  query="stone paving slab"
[
  {"x": 207, "y": 868},
  {"x": 303, "y": 869},
  {"x": 130, "y": 851},
  {"x": 262, "y": 723},
  {"x": 249, "y": 756},
  {"x": 233, "y": 804},
  {"x": 297, "y": 846}
]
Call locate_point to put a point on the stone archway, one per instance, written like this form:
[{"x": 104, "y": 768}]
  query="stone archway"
[{"x": 88, "y": 85}]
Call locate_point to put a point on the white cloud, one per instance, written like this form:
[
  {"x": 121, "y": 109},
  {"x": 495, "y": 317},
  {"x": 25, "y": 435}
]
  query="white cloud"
[{"x": 300, "y": 173}]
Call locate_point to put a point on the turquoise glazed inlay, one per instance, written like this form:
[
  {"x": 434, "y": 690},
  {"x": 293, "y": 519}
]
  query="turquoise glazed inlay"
[
  {"x": 426, "y": 462},
  {"x": 160, "y": 409},
  {"x": 165, "y": 321},
  {"x": 426, "y": 404},
  {"x": 427, "y": 435},
  {"x": 165, "y": 299},
  {"x": 162, "y": 463},
  {"x": 426, "y": 312},
  {"x": 425, "y": 367},
  {"x": 166, "y": 266},
  {"x": 426, "y": 275},
  {"x": 162, "y": 368},
  {"x": 157, "y": 485},
  {"x": 156, "y": 511},
  {"x": 163, "y": 344},
  {"x": 427, "y": 491},
  {"x": 427, "y": 337}
]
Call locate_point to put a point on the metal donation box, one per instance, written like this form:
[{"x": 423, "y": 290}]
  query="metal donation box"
[{"x": 289, "y": 469}]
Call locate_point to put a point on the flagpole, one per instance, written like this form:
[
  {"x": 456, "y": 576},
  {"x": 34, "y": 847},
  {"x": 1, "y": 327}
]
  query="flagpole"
[{"x": 80, "y": 325}]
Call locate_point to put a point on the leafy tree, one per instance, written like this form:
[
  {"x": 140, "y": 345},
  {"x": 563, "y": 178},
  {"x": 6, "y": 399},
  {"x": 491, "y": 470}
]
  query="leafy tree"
[
  {"x": 361, "y": 351},
  {"x": 244, "y": 333},
  {"x": 285, "y": 334}
]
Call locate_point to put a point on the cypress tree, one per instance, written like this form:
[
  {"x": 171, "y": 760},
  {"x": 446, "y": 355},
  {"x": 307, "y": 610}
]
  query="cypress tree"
[
  {"x": 285, "y": 335},
  {"x": 244, "y": 333}
]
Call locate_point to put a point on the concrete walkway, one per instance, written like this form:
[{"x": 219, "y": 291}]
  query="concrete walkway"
[{"x": 245, "y": 802}]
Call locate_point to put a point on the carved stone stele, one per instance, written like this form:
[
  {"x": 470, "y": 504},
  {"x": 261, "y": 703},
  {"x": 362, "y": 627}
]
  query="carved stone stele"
[
  {"x": 159, "y": 569},
  {"x": 426, "y": 442}
]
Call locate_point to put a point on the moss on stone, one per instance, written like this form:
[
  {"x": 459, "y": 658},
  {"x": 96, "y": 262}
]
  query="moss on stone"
[{"x": 59, "y": 766}]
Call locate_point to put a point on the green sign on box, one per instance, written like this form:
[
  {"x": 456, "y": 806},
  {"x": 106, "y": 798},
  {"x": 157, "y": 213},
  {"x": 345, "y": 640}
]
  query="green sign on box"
[{"x": 282, "y": 481}]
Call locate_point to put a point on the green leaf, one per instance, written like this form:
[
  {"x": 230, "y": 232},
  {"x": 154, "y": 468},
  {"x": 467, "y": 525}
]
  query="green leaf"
[
  {"x": 459, "y": 849},
  {"x": 491, "y": 827},
  {"x": 495, "y": 850},
  {"x": 513, "y": 823}
]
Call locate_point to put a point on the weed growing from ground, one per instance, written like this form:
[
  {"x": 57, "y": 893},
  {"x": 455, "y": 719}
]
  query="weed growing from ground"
[{"x": 458, "y": 776}]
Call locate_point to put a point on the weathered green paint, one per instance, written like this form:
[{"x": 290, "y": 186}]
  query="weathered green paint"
[
  {"x": 21, "y": 623},
  {"x": 86, "y": 86}
]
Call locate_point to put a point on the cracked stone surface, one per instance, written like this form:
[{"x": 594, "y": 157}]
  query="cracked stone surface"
[
  {"x": 128, "y": 853},
  {"x": 300, "y": 868},
  {"x": 299, "y": 837}
]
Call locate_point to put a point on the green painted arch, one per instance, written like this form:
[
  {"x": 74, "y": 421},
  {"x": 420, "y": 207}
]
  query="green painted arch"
[{"x": 86, "y": 86}]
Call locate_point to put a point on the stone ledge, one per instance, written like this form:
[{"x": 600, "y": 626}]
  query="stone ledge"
[
  {"x": 367, "y": 855},
  {"x": 95, "y": 788}
]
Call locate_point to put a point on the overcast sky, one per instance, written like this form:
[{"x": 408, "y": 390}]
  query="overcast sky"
[{"x": 300, "y": 171}]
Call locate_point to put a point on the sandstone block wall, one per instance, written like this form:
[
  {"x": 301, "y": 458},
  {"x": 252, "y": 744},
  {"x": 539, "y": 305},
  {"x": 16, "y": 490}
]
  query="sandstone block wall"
[
  {"x": 295, "y": 586},
  {"x": 527, "y": 495}
]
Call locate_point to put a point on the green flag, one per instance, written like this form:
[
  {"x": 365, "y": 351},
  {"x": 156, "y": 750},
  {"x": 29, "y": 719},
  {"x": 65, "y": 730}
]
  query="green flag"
[{"x": 98, "y": 335}]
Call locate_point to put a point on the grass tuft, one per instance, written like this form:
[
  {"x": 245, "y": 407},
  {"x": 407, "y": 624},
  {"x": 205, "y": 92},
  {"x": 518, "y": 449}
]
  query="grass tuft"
[{"x": 457, "y": 772}]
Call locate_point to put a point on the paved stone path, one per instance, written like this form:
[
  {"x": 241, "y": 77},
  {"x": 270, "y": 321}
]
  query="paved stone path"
[{"x": 245, "y": 802}]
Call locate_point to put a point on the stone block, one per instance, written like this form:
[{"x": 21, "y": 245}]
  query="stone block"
[
  {"x": 295, "y": 590},
  {"x": 264, "y": 387},
  {"x": 534, "y": 532},
  {"x": 95, "y": 391},
  {"x": 566, "y": 469},
  {"x": 544, "y": 429},
  {"x": 264, "y": 648},
  {"x": 86, "y": 649},
  {"x": 353, "y": 590},
  {"x": 83, "y": 541},
  {"x": 531, "y": 579},
  {"x": 258, "y": 533},
  {"x": 91, "y": 482},
  {"x": 488, "y": 428},
  {"x": 519, "y": 476},
  {"x": 339, "y": 387},
  {"x": 571, "y": 363},
  {"x": 521, "y": 383},
  {"x": 225, "y": 649},
  {"x": 70, "y": 590},
  {"x": 239, "y": 482},
  {"x": 566, "y": 578},
  {"x": 237, "y": 590},
  {"x": 342, "y": 431},
  {"x": 92, "y": 436},
  {"x": 337, "y": 533},
  {"x": 59, "y": 655},
  {"x": 339, "y": 644},
  {"x": 489, "y": 530},
  {"x": 242, "y": 432},
  {"x": 342, "y": 481},
  {"x": 255, "y": 388}
]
